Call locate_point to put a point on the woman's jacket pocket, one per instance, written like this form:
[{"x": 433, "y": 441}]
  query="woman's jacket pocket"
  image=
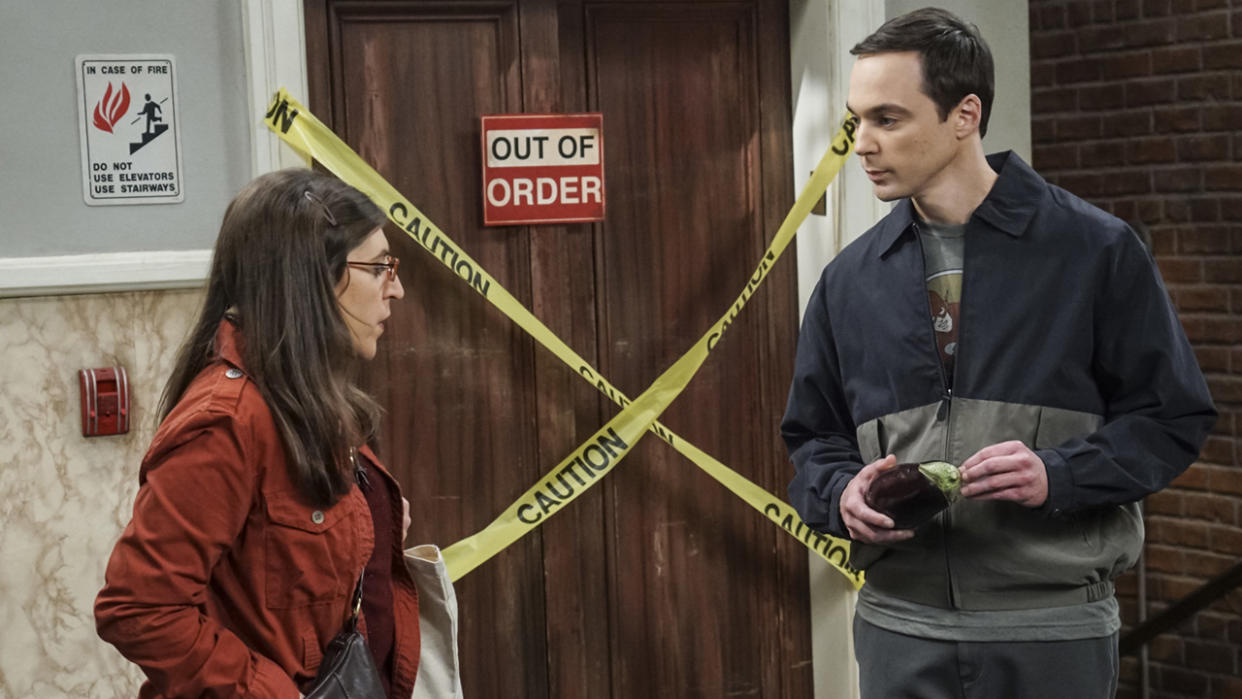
[{"x": 312, "y": 554}]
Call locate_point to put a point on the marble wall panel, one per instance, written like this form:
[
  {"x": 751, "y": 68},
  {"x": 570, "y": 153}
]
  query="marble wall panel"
[{"x": 66, "y": 497}]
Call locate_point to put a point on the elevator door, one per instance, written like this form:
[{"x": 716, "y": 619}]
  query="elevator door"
[{"x": 657, "y": 582}]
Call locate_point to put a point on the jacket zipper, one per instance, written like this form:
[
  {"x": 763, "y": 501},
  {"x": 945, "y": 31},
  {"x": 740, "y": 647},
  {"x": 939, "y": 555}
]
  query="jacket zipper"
[
  {"x": 944, "y": 412},
  {"x": 946, "y": 391}
]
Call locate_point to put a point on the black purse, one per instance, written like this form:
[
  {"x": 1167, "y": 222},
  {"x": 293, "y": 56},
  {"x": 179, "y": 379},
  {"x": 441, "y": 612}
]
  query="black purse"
[{"x": 348, "y": 669}]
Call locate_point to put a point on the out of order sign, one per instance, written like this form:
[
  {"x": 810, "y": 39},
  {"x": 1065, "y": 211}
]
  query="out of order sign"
[{"x": 543, "y": 168}]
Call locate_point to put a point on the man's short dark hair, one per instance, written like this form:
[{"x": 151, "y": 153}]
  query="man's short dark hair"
[{"x": 956, "y": 60}]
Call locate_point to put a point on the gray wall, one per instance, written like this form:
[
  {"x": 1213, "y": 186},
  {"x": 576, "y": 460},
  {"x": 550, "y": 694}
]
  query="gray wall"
[
  {"x": 1005, "y": 26},
  {"x": 41, "y": 186}
]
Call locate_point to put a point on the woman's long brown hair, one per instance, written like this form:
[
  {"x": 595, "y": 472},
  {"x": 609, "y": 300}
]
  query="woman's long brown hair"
[{"x": 282, "y": 247}]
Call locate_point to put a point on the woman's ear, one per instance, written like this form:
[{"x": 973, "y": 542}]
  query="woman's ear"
[{"x": 341, "y": 284}]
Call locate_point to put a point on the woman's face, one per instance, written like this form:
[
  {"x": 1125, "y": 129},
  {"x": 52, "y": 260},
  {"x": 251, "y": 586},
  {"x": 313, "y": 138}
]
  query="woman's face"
[{"x": 364, "y": 292}]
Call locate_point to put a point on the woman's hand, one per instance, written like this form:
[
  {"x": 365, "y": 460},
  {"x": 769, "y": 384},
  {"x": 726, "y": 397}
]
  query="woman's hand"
[{"x": 405, "y": 518}]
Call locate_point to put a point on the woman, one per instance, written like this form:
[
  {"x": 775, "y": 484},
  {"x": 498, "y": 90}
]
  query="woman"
[{"x": 259, "y": 502}]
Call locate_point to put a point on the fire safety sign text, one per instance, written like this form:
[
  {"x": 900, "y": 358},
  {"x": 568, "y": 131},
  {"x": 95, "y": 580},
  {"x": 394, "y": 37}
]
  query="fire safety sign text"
[{"x": 129, "y": 129}]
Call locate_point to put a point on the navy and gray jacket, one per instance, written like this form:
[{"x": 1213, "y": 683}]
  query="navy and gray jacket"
[{"x": 1068, "y": 342}]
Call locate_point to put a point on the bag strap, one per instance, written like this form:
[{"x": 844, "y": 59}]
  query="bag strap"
[{"x": 355, "y": 605}]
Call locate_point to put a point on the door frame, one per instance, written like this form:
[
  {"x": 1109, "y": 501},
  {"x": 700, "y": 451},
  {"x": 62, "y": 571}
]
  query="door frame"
[
  {"x": 275, "y": 43},
  {"x": 274, "y": 37},
  {"x": 821, "y": 33}
]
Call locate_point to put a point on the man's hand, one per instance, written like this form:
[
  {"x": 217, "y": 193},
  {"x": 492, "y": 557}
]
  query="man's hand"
[
  {"x": 1006, "y": 471},
  {"x": 865, "y": 524}
]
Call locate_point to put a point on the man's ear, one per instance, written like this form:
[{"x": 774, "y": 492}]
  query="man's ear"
[{"x": 967, "y": 115}]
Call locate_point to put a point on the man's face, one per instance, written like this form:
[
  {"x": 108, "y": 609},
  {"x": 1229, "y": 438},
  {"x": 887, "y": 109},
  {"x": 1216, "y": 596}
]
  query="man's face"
[{"x": 901, "y": 141}]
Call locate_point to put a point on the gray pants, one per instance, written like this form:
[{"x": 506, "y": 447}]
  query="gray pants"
[{"x": 895, "y": 666}]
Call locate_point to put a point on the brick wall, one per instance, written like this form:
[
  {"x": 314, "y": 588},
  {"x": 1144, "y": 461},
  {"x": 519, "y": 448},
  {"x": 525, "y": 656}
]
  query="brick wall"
[{"x": 1137, "y": 107}]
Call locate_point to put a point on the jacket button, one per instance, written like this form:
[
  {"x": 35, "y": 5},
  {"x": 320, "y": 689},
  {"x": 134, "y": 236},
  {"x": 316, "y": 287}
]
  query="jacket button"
[
  {"x": 233, "y": 373},
  {"x": 317, "y": 517}
]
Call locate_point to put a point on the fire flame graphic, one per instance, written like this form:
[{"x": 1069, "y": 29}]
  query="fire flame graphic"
[{"x": 111, "y": 108}]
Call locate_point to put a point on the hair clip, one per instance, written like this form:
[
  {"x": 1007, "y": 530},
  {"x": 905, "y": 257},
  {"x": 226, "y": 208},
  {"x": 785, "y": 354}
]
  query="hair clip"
[{"x": 326, "y": 212}]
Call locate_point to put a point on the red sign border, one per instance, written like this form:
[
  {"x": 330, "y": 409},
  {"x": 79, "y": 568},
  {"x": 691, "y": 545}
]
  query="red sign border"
[{"x": 535, "y": 118}]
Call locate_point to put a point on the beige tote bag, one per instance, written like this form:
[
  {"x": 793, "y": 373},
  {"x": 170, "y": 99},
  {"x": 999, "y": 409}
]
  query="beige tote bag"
[{"x": 439, "y": 674}]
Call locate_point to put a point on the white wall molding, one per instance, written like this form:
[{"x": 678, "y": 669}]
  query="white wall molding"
[
  {"x": 853, "y": 198},
  {"x": 821, "y": 34},
  {"x": 275, "y": 44},
  {"x": 105, "y": 272}
]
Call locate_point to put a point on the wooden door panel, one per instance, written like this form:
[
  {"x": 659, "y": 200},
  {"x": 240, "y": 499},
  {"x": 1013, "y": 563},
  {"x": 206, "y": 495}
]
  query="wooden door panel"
[
  {"x": 657, "y": 582},
  {"x": 569, "y": 410},
  {"x": 698, "y": 591},
  {"x": 408, "y": 83}
]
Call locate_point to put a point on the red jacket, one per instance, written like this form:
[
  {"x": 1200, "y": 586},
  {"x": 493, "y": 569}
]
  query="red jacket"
[{"x": 225, "y": 584}]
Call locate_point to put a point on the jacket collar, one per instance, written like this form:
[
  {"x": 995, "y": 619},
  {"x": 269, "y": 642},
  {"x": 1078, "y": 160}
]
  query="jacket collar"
[
  {"x": 1008, "y": 207},
  {"x": 228, "y": 344}
]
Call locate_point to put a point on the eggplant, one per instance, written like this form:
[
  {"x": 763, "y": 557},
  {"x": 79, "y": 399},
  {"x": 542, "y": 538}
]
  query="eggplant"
[{"x": 912, "y": 494}]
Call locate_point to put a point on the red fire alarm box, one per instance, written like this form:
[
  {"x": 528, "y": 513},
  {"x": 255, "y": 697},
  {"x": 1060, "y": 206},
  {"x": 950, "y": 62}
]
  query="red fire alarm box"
[{"x": 105, "y": 401}]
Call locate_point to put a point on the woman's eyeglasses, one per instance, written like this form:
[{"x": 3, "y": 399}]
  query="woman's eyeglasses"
[{"x": 389, "y": 264}]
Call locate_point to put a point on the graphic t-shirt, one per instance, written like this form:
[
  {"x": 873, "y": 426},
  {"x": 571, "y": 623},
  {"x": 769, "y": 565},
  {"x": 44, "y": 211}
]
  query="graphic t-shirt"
[{"x": 942, "y": 255}]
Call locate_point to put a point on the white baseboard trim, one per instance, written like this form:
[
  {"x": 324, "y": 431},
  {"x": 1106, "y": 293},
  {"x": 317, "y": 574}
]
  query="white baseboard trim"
[{"x": 104, "y": 272}]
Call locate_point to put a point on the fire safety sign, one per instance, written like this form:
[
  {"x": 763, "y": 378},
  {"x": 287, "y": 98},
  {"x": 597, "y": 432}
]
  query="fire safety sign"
[
  {"x": 129, "y": 129},
  {"x": 543, "y": 168}
]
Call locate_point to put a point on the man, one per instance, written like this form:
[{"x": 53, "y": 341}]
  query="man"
[
  {"x": 151, "y": 110},
  {"x": 1001, "y": 324}
]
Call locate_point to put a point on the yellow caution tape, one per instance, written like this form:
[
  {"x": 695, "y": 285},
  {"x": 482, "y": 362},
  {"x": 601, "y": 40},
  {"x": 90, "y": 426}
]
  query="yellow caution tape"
[{"x": 599, "y": 454}]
